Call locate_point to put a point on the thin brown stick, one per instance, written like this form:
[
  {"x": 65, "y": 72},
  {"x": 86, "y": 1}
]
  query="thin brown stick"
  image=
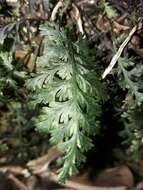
[
  {"x": 17, "y": 182},
  {"x": 15, "y": 170},
  {"x": 41, "y": 164},
  {"x": 120, "y": 26},
  {"x": 78, "y": 186},
  {"x": 119, "y": 52}
]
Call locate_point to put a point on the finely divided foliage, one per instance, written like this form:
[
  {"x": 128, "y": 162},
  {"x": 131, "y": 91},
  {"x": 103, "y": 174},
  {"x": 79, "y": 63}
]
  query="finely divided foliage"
[
  {"x": 5, "y": 68},
  {"x": 133, "y": 133},
  {"x": 130, "y": 78},
  {"x": 129, "y": 73},
  {"x": 70, "y": 109},
  {"x": 9, "y": 75}
]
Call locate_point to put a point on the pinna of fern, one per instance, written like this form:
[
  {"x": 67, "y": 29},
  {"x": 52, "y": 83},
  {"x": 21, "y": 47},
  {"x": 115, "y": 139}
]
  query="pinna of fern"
[
  {"x": 129, "y": 74},
  {"x": 70, "y": 107},
  {"x": 109, "y": 10},
  {"x": 130, "y": 78},
  {"x": 132, "y": 133},
  {"x": 9, "y": 75},
  {"x": 5, "y": 68}
]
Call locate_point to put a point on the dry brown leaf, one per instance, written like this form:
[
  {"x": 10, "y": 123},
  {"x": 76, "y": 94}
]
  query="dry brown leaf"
[{"x": 117, "y": 176}]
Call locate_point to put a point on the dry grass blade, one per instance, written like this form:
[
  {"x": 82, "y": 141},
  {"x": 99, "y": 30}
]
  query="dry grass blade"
[
  {"x": 119, "y": 52},
  {"x": 55, "y": 10},
  {"x": 76, "y": 15}
]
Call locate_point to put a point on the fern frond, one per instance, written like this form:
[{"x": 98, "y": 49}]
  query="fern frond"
[
  {"x": 130, "y": 78},
  {"x": 70, "y": 104}
]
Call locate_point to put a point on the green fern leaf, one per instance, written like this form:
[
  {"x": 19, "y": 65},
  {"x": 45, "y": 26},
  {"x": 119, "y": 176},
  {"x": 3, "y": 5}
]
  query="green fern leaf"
[
  {"x": 70, "y": 108},
  {"x": 129, "y": 74}
]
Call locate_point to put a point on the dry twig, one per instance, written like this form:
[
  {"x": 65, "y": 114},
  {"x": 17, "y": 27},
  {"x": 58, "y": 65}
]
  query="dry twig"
[
  {"x": 55, "y": 10},
  {"x": 79, "y": 186},
  {"x": 119, "y": 52},
  {"x": 17, "y": 182},
  {"x": 76, "y": 15}
]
